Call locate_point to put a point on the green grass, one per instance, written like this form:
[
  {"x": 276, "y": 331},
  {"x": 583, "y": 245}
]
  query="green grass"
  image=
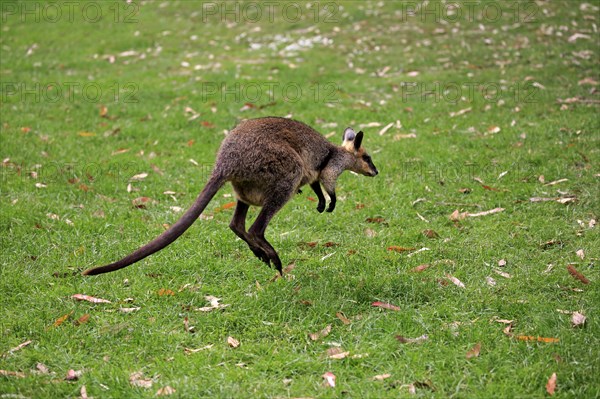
[{"x": 62, "y": 141}]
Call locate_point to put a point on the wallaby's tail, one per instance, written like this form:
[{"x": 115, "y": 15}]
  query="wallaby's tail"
[{"x": 170, "y": 235}]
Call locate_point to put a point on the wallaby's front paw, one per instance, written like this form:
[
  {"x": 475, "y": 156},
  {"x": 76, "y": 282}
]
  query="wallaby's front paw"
[
  {"x": 331, "y": 207},
  {"x": 321, "y": 207}
]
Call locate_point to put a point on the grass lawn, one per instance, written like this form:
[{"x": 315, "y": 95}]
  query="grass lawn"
[{"x": 478, "y": 239}]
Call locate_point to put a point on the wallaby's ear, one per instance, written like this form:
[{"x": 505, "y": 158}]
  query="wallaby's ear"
[
  {"x": 349, "y": 134},
  {"x": 358, "y": 140},
  {"x": 349, "y": 137}
]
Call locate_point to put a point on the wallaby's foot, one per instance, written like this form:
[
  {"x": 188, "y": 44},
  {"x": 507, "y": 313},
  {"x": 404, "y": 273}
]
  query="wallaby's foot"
[{"x": 321, "y": 206}]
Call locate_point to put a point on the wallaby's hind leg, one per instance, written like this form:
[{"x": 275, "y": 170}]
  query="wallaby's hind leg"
[
  {"x": 257, "y": 231},
  {"x": 238, "y": 226}
]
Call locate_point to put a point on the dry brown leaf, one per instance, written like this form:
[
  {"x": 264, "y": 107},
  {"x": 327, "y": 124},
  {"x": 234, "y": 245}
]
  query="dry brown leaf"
[
  {"x": 82, "y": 297},
  {"x": 7, "y": 373},
  {"x": 73, "y": 375},
  {"x": 138, "y": 177},
  {"x": 329, "y": 379},
  {"x": 137, "y": 380},
  {"x": 417, "y": 340},
  {"x": 381, "y": 377},
  {"x": 232, "y": 342},
  {"x": 42, "y": 368},
  {"x": 83, "y": 319},
  {"x": 420, "y": 268},
  {"x": 343, "y": 318},
  {"x": 578, "y": 319},
  {"x": 62, "y": 319},
  {"x": 83, "y": 393},
  {"x": 573, "y": 272},
  {"x": 580, "y": 253},
  {"x": 165, "y": 292},
  {"x": 538, "y": 339},
  {"x": 455, "y": 281},
  {"x": 501, "y": 273},
  {"x": 430, "y": 233},
  {"x": 474, "y": 351},
  {"x": 396, "y": 248},
  {"x": 189, "y": 351},
  {"x": 457, "y": 216},
  {"x": 551, "y": 384},
  {"x": 384, "y": 305},
  {"x": 490, "y": 281},
  {"x": 485, "y": 213},
  {"x": 320, "y": 334},
  {"x": 226, "y": 206},
  {"x": 336, "y": 353},
  {"x": 164, "y": 391},
  {"x": 18, "y": 347},
  {"x": 555, "y": 182},
  {"x": 141, "y": 202}
]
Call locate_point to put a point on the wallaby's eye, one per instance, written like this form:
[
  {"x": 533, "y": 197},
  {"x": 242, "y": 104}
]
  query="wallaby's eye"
[{"x": 366, "y": 158}]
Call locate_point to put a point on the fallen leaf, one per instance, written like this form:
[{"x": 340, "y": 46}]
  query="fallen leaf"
[
  {"x": 420, "y": 268},
  {"x": 320, "y": 334},
  {"x": 18, "y": 347},
  {"x": 42, "y": 368},
  {"x": 551, "y": 384},
  {"x": 86, "y": 134},
  {"x": 490, "y": 281},
  {"x": 501, "y": 273},
  {"x": 62, "y": 319},
  {"x": 232, "y": 342},
  {"x": 188, "y": 351},
  {"x": 430, "y": 233},
  {"x": 485, "y": 213},
  {"x": 381, "y": 377},
  {"x": 370, "y": 233},
  {"x": 329, "y": 378},
  {"x": 573, "y": 272},
  {"x": 103, "y": 111},
  {"x": 343, "y": 318},
  {"x": 137, "y": 380},
  {"x": 455, "y": 281},
  {"x": 538, "y": 339},
  {"x": 456, "y": 215},
  {"x": 578, "y": 319},
  {"x": 164, "y": 391},
  {"x": 580, "y": 253},
  {"x": 187, "y": 327},
  {"x": 129, "y": 310},
  {"x": 226, "y": 206},
  {"x": 502, "y": 263},
  {"x": 83, "y": 393},
  {"x": 73, "y": 375},
  {"x": 165, "y": 292},
  {"x": 474, "y": 351},
  {"x": 83, "y": 319},
  {"x": 141, "y": 202},
  {"x": 336, "y": 353},
  {"x": 138, "y": 177},
  {"x": 400, "y": 249},
  {"x": 493, "y": 129},
  {"x": 555, "y": 182},
  {"x": 385, "y": 306},
  {"x": 7, "y": 373},
  {"x": 417, "y": 340}
]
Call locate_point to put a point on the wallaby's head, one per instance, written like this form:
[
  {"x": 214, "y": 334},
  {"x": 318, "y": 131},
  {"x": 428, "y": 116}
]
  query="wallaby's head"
[{"x": 362, "y": 161}]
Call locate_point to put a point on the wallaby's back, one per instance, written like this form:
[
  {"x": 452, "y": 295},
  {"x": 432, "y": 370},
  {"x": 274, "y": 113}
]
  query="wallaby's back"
[{"x": 261, "y": 152}]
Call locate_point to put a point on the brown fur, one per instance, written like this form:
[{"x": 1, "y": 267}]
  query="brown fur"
[{"x": 266, "y": 160}]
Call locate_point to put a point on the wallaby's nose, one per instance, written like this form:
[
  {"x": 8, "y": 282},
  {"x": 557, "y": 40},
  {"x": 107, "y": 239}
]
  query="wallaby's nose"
[{"x": 374, "y": 173}]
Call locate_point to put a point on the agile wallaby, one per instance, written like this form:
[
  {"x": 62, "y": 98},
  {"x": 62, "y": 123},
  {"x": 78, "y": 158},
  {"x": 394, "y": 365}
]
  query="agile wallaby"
[{"x": 266, "y": 160}]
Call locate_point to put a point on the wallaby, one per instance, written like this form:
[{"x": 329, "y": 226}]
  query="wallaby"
[{"x": 266, "y": 160}]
